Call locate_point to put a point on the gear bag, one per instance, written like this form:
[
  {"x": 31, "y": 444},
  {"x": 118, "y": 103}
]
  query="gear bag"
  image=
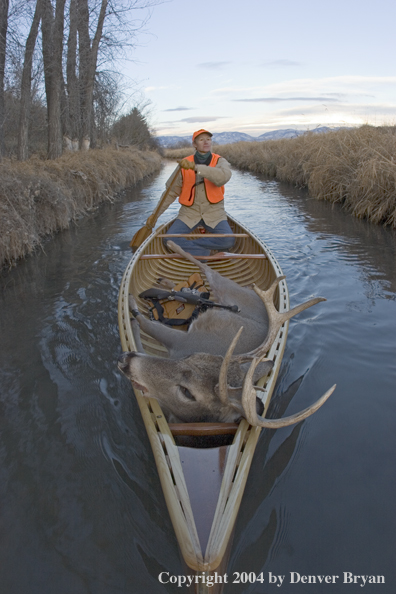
[{"x": 172, "y": 312}]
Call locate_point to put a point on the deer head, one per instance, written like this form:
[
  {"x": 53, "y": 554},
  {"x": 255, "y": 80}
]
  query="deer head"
[
  {"x": 189, "y": 388},
  {"x": 210, "y": 387}
]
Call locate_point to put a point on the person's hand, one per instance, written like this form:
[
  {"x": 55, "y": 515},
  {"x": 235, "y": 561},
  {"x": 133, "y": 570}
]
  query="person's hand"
[
  {"x": 151, "y": 221},
  {"x": 186, "y": 164}
]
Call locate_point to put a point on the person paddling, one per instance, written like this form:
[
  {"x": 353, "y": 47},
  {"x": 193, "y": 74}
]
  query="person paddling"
[{"x": 199, "y": 184}]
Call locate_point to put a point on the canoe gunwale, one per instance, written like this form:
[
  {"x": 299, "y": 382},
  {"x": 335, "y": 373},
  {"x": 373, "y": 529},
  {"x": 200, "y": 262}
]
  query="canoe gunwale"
[{"x": 165, "y": 450}]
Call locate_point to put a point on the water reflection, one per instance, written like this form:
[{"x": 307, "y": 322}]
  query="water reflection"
[
  {"x": 259, "y": 528},
  {"x": 81, "y": 505},
  {"x": 372, "y": 247}
]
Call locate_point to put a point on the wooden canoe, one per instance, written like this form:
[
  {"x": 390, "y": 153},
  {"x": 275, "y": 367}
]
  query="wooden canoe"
[{"x": 202, "y": 486}]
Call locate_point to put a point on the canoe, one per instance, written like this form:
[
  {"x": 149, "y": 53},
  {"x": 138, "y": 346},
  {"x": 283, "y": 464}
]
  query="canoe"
[{"x": 203, "y": 467}]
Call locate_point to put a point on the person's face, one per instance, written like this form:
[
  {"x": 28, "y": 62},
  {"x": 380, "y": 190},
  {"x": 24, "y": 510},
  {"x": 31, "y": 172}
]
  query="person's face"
[{"x": 203, "y": 143}]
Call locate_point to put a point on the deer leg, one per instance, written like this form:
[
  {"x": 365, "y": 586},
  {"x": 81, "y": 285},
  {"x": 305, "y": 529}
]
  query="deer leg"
[
  {"x": 165, "y": 282},
  {"x": 221, "y": 287},
  {"x": 136, "y": 335},
  {"x": 164, "y": 334}
]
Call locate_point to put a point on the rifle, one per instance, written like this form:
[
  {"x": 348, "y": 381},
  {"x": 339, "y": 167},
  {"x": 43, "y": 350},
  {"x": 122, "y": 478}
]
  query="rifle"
[{"x": 186, "y": 295}]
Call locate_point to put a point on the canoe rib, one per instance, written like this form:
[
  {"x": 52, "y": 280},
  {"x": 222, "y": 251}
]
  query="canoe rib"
[{"x": 140, "y": 275}]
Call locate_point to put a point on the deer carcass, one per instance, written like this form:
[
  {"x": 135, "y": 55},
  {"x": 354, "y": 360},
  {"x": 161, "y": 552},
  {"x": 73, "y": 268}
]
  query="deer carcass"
[{"x": 210, "y": 373}]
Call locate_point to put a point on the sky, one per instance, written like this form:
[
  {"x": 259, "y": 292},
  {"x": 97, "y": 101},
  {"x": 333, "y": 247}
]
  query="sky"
[{"x": 255, "y": 66}]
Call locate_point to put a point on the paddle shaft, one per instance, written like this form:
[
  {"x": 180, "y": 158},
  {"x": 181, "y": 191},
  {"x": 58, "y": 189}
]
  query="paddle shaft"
[
  {"x": 165, "y": 195},
  {"x": 146, "y": 230}
]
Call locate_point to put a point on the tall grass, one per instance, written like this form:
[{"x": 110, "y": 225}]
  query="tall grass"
[
  {"x": 38, "y": 197},
  {"x": 356, "y": 168}
]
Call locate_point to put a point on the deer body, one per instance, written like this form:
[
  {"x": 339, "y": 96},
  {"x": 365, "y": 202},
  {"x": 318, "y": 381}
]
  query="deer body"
[
  {"x": 211, "y": 368},
  {"x": 214, "y": 329}
]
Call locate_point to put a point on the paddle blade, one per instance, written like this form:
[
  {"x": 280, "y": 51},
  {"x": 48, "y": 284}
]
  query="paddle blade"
[{"x": 140, "y": 236}]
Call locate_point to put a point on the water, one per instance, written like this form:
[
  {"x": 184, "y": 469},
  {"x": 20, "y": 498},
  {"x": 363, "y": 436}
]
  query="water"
[{"x": 81, "y": 507}]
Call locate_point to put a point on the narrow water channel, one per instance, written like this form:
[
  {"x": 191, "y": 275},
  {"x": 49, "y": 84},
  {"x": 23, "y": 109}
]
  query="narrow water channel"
[{"x": 81, "y": 507}]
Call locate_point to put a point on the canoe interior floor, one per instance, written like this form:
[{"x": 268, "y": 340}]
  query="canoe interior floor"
[
  {"x": 203, "y": 472},
  {"x": 243, "y": 271}
]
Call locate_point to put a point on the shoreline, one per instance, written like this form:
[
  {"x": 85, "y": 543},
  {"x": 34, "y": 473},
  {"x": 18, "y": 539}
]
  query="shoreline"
[
  {"x": 39, "y": 198},
  {"x": 353, "y": 167}
]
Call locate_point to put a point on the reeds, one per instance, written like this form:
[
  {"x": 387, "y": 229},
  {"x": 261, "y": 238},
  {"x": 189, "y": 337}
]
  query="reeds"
[
  {"x": 355, "y": 167},
  {"x": 38, "y": 197}
]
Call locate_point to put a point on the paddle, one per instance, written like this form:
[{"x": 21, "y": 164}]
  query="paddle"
[{"x": 146, "y": 230}]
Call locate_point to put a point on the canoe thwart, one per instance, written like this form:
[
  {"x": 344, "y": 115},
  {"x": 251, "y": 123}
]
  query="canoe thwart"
[
  {"x": 178, "y": 429},
  {"x": 201, "y": 235},
  {"x": 214, "y": 257}
]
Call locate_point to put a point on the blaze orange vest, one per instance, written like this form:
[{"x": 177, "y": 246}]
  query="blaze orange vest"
[{"x": 214, "y": 193}]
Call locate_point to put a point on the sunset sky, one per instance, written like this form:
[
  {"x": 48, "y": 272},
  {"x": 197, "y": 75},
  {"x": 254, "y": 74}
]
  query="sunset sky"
[{"x": 254, "y": 66}]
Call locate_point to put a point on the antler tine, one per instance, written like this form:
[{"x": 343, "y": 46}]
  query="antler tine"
[
  {"x": 222, "y": 385},
  {"x": 275, "y": 318},
  {"x": 249, "y": 404}
]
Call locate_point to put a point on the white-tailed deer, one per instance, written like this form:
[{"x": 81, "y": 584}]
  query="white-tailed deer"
[{"x": 212, "y": 367}]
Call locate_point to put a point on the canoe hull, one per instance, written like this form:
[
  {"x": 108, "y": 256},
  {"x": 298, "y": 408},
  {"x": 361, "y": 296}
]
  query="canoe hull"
[{"x": 202, "y": 549}]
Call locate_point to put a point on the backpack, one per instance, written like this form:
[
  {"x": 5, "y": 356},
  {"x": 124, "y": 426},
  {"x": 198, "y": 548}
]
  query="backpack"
[{"x": 172, "y": 312}]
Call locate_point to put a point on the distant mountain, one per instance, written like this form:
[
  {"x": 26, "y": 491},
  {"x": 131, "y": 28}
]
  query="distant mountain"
[
  {"x": 218, "y": 138},
  {"x": 172, "y": 141},
  {"x": 277, "y": 134},
  {"x": 232, "y": 137}
]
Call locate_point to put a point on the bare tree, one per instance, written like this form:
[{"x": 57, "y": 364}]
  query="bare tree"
[
  {"x": 106, "y": 98},
  {"x": 23, "y": 151},
  {"x": 113, "y": 31},
  {"x": 133, "y": 129},
  {"x": 88, "y": 60},
  {"x": 72, "y": 100},
  {"x": 4, "y": 6},
  {"x": 79, "y": 40},
  {"x": 52, "y": 31}
]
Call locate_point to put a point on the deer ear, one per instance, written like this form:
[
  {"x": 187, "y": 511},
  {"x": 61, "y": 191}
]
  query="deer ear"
[
  {"x": 234, "y": 394},
  {"x": 232, "y": 391},
  {"x": 235, "y": 403},
  {"x": 262, "y": 369}
]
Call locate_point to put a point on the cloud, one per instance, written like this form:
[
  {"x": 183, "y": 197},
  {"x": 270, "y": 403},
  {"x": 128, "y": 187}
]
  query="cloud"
[
  {"x": 179, "y": 109},
  {"x": 356, "y": 86},
  {"x": 278, "y": 99},
  {"x": 163, "y": 127},
  {"x": 195, "y": 120},
  {"x": 340, "y": 81},
  {"x": 213, "y": 65},
  {"x": 279, "y": 63},
  {"x": 343, "y": 111},
  {"x": 291, "y": 102}
]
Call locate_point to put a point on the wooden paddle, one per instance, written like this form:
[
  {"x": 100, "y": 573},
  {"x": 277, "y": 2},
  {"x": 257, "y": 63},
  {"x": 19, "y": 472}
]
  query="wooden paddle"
[{"x": 146, "y": 230}]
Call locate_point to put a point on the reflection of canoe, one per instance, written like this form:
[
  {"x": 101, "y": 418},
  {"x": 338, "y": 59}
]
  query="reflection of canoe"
[{"x": 203, "y": 486}]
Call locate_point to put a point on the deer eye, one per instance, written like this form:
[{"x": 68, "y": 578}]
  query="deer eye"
[{"x": 186, "y": 392}]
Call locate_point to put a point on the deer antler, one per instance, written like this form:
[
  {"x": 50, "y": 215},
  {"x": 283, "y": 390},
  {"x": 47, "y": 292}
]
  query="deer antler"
[
  {"x": 178, "y": 250},
  {"x": 222, "y": 385},
  {"x": 275, "y": 319},
  {"x": 249, "y": 404},
  {"x": 249, "y": 394}
]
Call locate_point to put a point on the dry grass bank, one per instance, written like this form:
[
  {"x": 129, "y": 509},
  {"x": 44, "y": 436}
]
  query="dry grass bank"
[
  {"x": 38, "y": 198},
  {"x": 356, "y": 168}
]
